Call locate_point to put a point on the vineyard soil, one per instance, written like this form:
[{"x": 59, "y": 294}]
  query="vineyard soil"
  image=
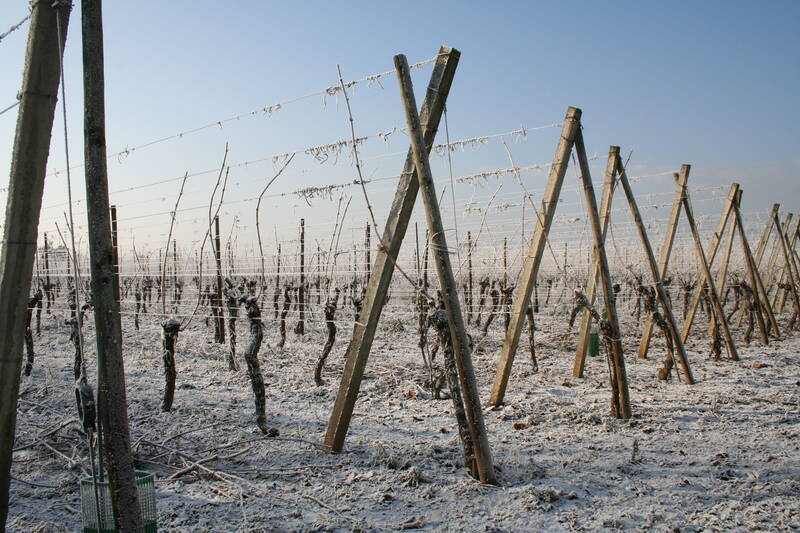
[{"x": 721, "y": 455}]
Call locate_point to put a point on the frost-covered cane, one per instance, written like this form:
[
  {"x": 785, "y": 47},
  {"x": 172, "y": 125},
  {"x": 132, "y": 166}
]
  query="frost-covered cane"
[
  {"x": 531, "y": 337},
  {"x": 169, "y": 336},
  {"x": 33, "y": 303},
  {"x": 137, "y": 294},
  {"x": 483, "y": 284},
  {"x": 507, "y": 292},
  {"x": 495, "y": 295},
  {"x": 330, "y": 312},
  {"x": 287, "y": 303},
  {"x": 39, "y": 297},
  {"x": 74, "y": 336},
  {"x": 438, "y": 319},
  {"x": 232, "y": 297},
  {"x": 253, "y": 367}
]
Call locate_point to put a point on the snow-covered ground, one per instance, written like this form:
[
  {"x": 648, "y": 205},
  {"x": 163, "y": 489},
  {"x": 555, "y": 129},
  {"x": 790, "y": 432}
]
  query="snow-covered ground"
[{"x": 720, "y": 455}]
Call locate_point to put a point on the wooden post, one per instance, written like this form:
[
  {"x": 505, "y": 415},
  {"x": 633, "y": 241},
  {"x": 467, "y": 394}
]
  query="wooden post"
[
  {"x": 772, "y": 270},
  {"x": 301, "y": 291},
  {"x": 773, "y": 256},
  {"x": 666, "y": 251},
  {"x": 530, "y": 268},
  {"x": 790, "y": 264},
  {"x": 755, "y": 278},
  {"x": 112, "y": 405},
  {"x": 764, "y": 240},
  {"x": 381, "y": 277},
  {"x": 784, "y": 276},
  {"x": 591, "y": 281},
  {"x": 655, "y": 272},
  {"x": 709, "y": 280},
  {"x": 793, "y": 262},
  {"x": 219, "y": 318},
  {"x": 759, "y": 288},
  {"x": 715, "y": 241},
  {"x": 722, "y": 274},
  {"x": 441, "y": 254},
  {"x": 621, "y": 406},
  {"x": 37, "y": 106}
]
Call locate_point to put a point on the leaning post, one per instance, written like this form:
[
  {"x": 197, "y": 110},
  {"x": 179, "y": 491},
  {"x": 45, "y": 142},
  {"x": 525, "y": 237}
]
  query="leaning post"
[
  {"x": 530, "y": 269},
  {"x": 40, "y": 78},
  {"x": 455, "y": 319}
]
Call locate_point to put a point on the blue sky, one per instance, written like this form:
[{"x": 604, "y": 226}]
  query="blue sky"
[{"x": 707, "y": 83}]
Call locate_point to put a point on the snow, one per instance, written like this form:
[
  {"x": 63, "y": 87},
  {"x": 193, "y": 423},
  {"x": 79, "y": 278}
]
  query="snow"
[{"x": 720, "y": 455}]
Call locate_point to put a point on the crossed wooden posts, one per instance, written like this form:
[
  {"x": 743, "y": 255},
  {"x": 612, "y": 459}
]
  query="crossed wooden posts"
[
  {"x": 416, "y": 177},
  {"x": 571, "y": 137},
  {"x": 616, "y": 168},
  {"x": 702, "y": 277},
  {"x": 763, "y": 309}
]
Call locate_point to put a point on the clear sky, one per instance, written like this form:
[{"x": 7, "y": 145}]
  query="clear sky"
[{"x": 713, "y": 84}]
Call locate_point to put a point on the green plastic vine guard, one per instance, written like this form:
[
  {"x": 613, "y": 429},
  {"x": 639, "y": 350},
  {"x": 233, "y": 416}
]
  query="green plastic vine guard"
[{"x": 145, "y": 483}]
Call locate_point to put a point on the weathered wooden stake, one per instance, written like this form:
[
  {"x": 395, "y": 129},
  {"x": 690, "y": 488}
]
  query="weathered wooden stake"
[
  {"x": 396, "y": 225},
  {"x": 530, "y": 268},
  {"x": 655, "y": 272},
  {"x": 112, "y": 405},
  {"x": 666, "y": 251},
  {"x": 763, "y": 241},
  {"x": 591, "y": 280},
  {"x": 760, "y": 294},
  {"x": 749, "y": 261},
  {"x": 791, "y": 267},
  {"x": 706, "y": 272},
  {"x": 784, "y": 276},
  {"x": 621, "y": 406},
  {"x": 715, "y": 242},
  {"x": 722, "y": 274},
  {"x": 455, "y": 319},
  {"x": 773, "y": 282},
  {"x": 37, "y": 106}
]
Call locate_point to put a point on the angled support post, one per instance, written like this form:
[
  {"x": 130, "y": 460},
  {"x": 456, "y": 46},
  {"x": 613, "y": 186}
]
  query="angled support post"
[
  {"x": 591, "y": 281},
  {"x": 763, "y": 241},
  {"x": 706, "y": 272},
  {"x": 791, "y": 266},
  {"x": 752, "y": 272},
  {"x": 755, "y": 275},
  {"x": 444, "y": 269},
  {"x": 715, "y": 242},
  {"x": 381, "y": 277},
  {"x": 37, "y": 106},
  {"x": 655, "y": 272},
  {"x": 772, "y": 270},
  {"x": 666, "y": 250},
  {"x": 621, "y": 405},
  {"x": 530, "y": 268},
  {"x": 784, "y": 275},
  {"x": 722, "y": 273}
]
